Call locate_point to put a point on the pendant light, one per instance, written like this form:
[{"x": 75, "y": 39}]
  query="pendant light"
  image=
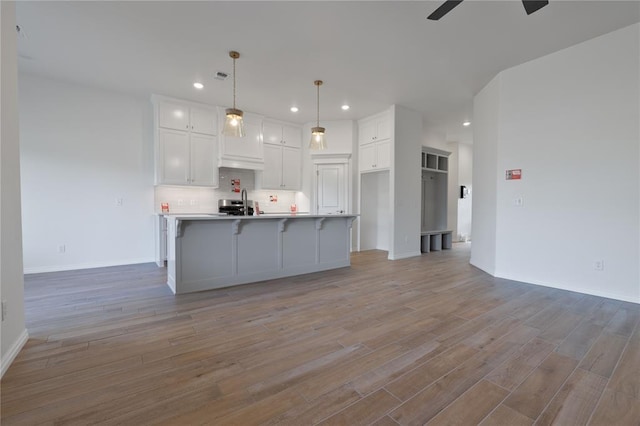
[
  {"x": 318, "y": 141},
  {"x": 233, "y": 125}
]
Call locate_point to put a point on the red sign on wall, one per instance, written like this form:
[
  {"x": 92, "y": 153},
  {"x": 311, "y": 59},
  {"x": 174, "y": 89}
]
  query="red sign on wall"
[{"x": 514, "y": 174}]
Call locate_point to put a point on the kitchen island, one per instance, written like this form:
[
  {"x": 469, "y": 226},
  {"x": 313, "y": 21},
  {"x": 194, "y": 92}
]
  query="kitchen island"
[{"x": 208, "y": 252}]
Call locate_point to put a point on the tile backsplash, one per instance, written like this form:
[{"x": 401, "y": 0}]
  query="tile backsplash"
[{"x": 185, "y": 199}]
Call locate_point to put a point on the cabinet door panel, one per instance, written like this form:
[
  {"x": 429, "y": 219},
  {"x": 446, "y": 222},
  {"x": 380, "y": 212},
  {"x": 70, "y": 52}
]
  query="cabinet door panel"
[
  {"x": 174, "y": 157},
  {"x": 272, "y": 133},
  {"x": 367, "y": 157},
  {"x": 383, "y": 128},
  {"x": 272, "y": 173},
  {"x": 204, "y": 167},
  {"x": 292, "y": 136},
  {"x": 203, "y": 121},
  {"x": 383, "y": 157},
  {"x": 291, "y": 168},
  {"x": 367, "y": 132},
  {"x": 173, "y": 116}
]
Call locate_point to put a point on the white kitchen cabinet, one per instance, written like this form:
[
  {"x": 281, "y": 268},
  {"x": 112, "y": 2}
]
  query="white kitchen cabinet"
[
  {"x": 182, "y": 116},
  {"x": 281, "y": 134},
  {"x": 282, "y": 168},
  {"x": 185, "y": 143},
  {"x": 374, "y": 129},
  {"x": 186, "y": 159},
  {"x": 246, "y": 152},
  {"x": 375, "y": 156}
]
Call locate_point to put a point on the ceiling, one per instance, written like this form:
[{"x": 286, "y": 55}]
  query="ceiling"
[{"x": 369, "y": 54}]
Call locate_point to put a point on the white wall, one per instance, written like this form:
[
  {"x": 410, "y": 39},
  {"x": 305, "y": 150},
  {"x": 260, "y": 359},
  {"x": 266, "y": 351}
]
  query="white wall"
[
  {"x": 465, "y": 170},
  {"x": 405, "y": 183},
  {"x": 569, "y": 120},
  {"x": 485, "y": 171},
  {"x": 13, "y": 334},
  {"x": 453, "y": 190},
  {"x": 375, "y": 211},
  {"x": 82, "y": 148}
]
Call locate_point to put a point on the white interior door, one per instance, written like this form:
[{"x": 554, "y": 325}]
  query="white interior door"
[{"x": 331, "y": 189}]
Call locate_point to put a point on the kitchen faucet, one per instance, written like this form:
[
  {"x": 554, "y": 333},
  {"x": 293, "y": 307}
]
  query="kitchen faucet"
[{"x": 245, "y": 207}]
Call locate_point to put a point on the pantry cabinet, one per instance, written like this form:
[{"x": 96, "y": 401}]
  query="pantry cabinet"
[
  {"x": 374, "y": 129},
  {"x": 375, "y": 156},
  {"x": 186, "y": 147}
]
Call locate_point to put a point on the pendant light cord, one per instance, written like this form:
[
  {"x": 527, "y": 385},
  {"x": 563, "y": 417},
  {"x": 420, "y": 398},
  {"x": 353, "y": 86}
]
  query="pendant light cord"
[
  {"x": 234, "y": 83},
  {"x": 318, "y": 106}
]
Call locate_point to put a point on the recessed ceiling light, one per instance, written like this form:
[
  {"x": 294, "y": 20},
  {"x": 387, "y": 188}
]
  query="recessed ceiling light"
[
  {"x": 294, "y": 109},
  {"x": 345, "y": 107},
  {"x": 198, "y": 86},
  {"x": 466, "y": 123}
]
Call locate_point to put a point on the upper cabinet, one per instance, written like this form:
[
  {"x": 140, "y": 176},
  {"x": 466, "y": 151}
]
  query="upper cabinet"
[
  {"x": 275, "y": 133},
  {"x": 282, "y": 157},
  {"x": 180, "y": 116},
  {"x": 246, "y": 152},
  {"x": 375, "y": 143},
  {"x": 374, "y": 129},
  {"x": 375, "y": 156},
  {"x": 186, "y": 147}
]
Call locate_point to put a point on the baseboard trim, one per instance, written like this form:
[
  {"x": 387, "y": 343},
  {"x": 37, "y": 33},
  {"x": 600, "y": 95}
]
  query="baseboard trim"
[
  {"x": 12, "y": 353},
  {"x": 574, "y": 289},
  {"x": 89, "y": 265},
  {"x": 405, "y": 255}
]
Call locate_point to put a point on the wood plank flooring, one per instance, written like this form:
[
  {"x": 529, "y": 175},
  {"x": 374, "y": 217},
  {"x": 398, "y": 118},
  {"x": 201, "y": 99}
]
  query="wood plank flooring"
[{"x": 427, "y": 340}]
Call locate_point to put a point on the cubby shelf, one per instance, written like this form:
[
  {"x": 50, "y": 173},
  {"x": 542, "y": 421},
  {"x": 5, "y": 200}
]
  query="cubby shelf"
[{"x": 436, "y": 162}]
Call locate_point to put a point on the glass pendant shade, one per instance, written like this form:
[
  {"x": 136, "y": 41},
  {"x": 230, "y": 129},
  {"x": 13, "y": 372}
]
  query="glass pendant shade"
[
  {"x": 233, "y": 125},
  {"x": 318, "y": 140}
]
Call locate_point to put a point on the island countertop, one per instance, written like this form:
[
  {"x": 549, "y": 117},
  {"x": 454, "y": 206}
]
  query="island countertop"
[
  {"x": 211, "y": 251},
  {"x": 215, "y": 216}
]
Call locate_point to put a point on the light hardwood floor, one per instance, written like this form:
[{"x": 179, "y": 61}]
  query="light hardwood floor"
[{"x": 429, "y": 339}]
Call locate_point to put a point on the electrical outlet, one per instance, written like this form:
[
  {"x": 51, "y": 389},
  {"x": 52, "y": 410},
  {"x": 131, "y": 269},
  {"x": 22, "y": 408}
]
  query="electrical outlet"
[
  {"x": 3, "y": 307},
  {"x": 119, "y": 202},
  {"x": 193, "y": 202},
  {"x": 598, "y": 265},
  {"x": 518, "y": 201},
  {"x": 181, "y": 202},
  {"x": 62, "y": 248}
]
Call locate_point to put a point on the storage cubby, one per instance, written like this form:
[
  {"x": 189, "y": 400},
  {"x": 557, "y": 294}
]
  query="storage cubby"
[
  {"x": 434, "y": 233},
  {"x": 432, "y": 161},
  {"x": 443, "y": 164}
]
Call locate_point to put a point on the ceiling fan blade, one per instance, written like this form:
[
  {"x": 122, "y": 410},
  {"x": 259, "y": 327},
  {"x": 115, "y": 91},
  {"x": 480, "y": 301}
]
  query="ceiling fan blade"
[
  {"x": 531, "y": 6},
  {"x": 445, "y": 8}
]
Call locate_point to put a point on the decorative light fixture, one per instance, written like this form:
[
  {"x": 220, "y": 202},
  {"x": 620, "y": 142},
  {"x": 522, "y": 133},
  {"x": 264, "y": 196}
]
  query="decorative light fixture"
[
  {"x": 318, "y": 141},
  {"x": 233, "y": 125}
]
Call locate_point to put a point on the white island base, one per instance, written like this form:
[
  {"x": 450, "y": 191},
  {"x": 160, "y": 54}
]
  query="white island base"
[{"x": 205, "y": 253}]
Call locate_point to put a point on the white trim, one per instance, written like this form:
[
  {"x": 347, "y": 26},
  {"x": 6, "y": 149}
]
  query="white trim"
[
  {"x": 581, "y": 290},
  {"x": 324, "y": 158},
  {"x": 404, "y": 255},
  {"x": 13, "y": 352},
  {"x": 57, "y": 268}
]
